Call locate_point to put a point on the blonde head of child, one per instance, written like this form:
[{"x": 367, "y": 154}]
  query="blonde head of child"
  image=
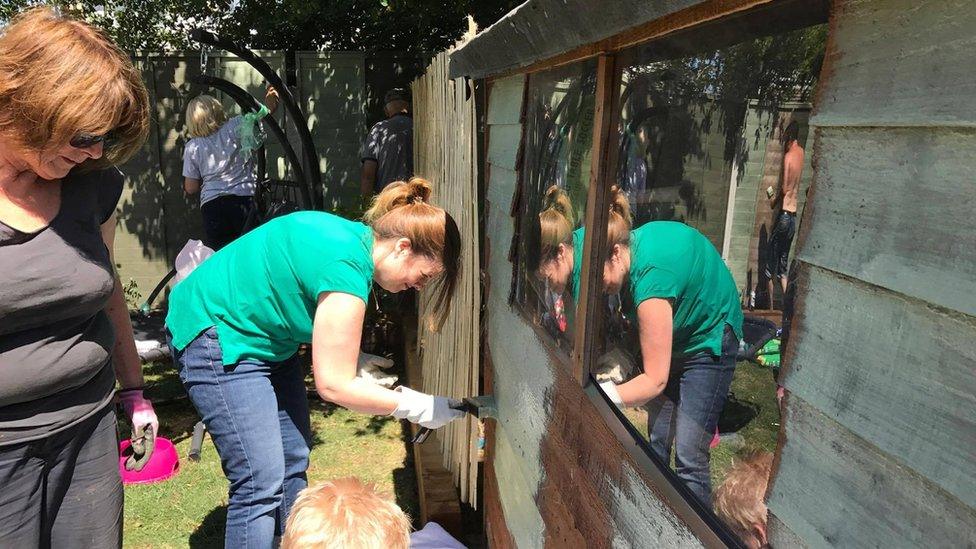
[
  {"x": 739, "y": 500},
  {"x": 346, "y": 513}
]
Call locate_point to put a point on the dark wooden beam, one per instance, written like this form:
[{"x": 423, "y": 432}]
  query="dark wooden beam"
[
  {"x": 602, "y": 167},
  {"x": 705, "y": 25}
]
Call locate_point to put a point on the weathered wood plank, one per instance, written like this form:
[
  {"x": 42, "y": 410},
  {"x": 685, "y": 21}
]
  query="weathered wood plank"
[
  {"x": 894, "y": 371},
  {"x": 544, "y": 28},
  {"x": 593, "y": 495},
  {"x": 895, "y": 207},
  {"x": 900, "y": 62},
  {"x": 505, "y": 100},
  {"x": 496, "y": 529},
  {"x": 546, "y": 33},
  {"x": 503, "y": 145},
  {"x": 835, "y": 490},
  {"x": 781, "y": 536},
  {"x": 520, "y": 380}
]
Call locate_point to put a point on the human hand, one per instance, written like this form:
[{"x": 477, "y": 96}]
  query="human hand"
[
  {"x": 369, "y": 367},
  {"x": 271, "y": 99},
  {"x": 425, "y": 410},
  {"x": 145, "y": 426},
  {"x": 615, "y": 365}
]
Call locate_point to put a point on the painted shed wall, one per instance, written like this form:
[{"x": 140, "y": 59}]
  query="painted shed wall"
[
  {"x": 563, "y": 478},
  {"x": 881, "y": 415}
]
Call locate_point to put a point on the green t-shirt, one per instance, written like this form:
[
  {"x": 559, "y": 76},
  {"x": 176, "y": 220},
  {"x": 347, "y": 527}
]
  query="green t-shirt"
[
  {"x": 574, "y": 279},
  {"x": 673, "y": 261},
  {"x": 261, "y": 290}
]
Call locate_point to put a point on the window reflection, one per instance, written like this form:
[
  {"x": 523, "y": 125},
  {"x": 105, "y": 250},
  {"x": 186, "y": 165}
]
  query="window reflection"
[
  {"x": 555, "y": 178},
  {"x": 709, "y": 188}
]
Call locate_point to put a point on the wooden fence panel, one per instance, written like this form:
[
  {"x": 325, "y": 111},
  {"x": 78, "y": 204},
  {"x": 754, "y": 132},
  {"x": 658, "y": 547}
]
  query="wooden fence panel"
[
  {"x": 445, "y": 153},
  {"x": 140, "y": 239},
  {"x": 332, "y": 91}
]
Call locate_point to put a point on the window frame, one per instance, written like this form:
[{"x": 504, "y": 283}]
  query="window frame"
[{"x": 783, "y": 16}]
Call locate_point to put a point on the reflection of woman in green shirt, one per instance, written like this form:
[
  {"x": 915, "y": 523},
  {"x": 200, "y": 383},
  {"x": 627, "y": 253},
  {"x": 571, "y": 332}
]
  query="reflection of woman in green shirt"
[
  {"x": 690, "y": 323},
  {"x": 237, "y": 321},
  {"x": 559, "y": 257},
  {"x": 560, "y": 246}
]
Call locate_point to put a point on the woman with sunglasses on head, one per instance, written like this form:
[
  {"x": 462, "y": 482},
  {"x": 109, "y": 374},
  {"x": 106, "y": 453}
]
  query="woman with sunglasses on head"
[
  {"x": 217, "y": 166},
  {"x": 236, "y": 323},
  {"x": 65, "y": 336}
]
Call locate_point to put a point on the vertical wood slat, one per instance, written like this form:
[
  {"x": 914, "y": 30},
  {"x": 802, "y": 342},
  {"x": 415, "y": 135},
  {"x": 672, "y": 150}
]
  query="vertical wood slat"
[
  {"x": 602, "y": 165},
  {"x": 444, "y": 153}
]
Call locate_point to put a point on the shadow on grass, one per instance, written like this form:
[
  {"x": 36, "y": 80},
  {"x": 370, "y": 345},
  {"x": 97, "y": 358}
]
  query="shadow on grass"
[
  {"x": 737, "y": 414},
  {"x": 210, "y": 533},
  {"x": 405, "y": 480},
  {"x": 375, "y": 425}
]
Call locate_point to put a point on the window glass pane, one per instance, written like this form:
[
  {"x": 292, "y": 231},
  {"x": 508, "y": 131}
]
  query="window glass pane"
[
  {"x": 555, "y": 181},
  {"x": 713, "y": 165}
]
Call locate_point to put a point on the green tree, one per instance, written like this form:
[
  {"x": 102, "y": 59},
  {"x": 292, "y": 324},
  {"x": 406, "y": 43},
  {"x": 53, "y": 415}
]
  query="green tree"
[{"x": 411, "y": 26}]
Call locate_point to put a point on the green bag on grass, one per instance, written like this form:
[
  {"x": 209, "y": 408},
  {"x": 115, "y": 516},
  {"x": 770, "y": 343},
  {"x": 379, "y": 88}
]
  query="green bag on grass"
[{"x": 768, "y": 356}]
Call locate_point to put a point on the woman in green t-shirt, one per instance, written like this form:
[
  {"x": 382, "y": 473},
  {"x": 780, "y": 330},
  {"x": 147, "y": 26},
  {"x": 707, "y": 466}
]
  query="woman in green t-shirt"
[
  {"x": 557, "y": 257},
  {"x": 689, "y": 326},
  {"x": 237, "y": 321}
]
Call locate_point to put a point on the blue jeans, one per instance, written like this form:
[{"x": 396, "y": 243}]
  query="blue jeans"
[
  {"x": 698, "y": 387},
  {"x": 257, "y": 415}
]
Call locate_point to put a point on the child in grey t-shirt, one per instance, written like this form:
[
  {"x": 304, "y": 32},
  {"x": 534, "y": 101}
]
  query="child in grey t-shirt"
[{"x": 216, "y": 166}]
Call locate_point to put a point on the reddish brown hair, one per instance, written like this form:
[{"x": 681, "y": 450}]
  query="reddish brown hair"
[
  {"x": 60, "y": 77},
  {"x": 403, "y": 210},
  {"x": 619, "y": 222}
]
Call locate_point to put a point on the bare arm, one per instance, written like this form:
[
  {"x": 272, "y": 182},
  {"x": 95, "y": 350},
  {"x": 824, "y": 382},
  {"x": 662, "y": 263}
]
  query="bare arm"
[
  {"x": 367, "y": 178},
  {"x": 271, "y": 100},
  {"x": 655, "y": 318},
  {"x": 125, "y": 358},
  {"x": 336, "y": 335},
  {"x": 190, "y": 185}
]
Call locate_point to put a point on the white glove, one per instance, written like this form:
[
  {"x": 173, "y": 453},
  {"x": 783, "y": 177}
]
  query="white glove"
[
  {"x": 425, "y": 410},
  {"x": 369, "y": 366},
  {"x": 610, "y": 388},
  {"x": 615, "y": 365}
]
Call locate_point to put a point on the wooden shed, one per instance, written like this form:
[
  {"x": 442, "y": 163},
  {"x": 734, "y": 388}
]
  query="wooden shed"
[{"x": 877, "y": 440}]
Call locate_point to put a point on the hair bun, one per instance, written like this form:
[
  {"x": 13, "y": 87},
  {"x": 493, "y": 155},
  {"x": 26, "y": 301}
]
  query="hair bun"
[
  {"x": 417, "y": 190},
  {"x": 619, "y": 204},
  {"x": 557, "y": 199},
  {"x": 396, "y": 195}
]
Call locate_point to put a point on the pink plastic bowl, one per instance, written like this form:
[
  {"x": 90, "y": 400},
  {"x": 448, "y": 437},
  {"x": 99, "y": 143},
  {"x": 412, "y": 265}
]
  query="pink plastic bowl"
[{"x": 163, "y": 464}]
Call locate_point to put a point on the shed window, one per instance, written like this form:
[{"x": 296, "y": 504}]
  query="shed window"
[
  {"x": 712, "y": 167},
  {"x": 554, "y": 179}
]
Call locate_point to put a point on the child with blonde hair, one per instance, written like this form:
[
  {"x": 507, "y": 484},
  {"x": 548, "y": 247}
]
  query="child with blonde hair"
[
  {"x": 739, "y": 501},
  {"x": 347, "y": 513},
  {"x": 218, "y": 166}
]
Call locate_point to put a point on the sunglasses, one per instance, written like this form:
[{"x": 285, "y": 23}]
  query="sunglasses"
[{"x": 86, "y": 140}]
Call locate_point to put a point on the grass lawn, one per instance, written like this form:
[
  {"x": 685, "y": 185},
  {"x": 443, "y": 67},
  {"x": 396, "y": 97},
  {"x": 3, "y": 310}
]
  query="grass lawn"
[
  {"x": 189, "y": 509},
  {"x": 749, "y": 422}
]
